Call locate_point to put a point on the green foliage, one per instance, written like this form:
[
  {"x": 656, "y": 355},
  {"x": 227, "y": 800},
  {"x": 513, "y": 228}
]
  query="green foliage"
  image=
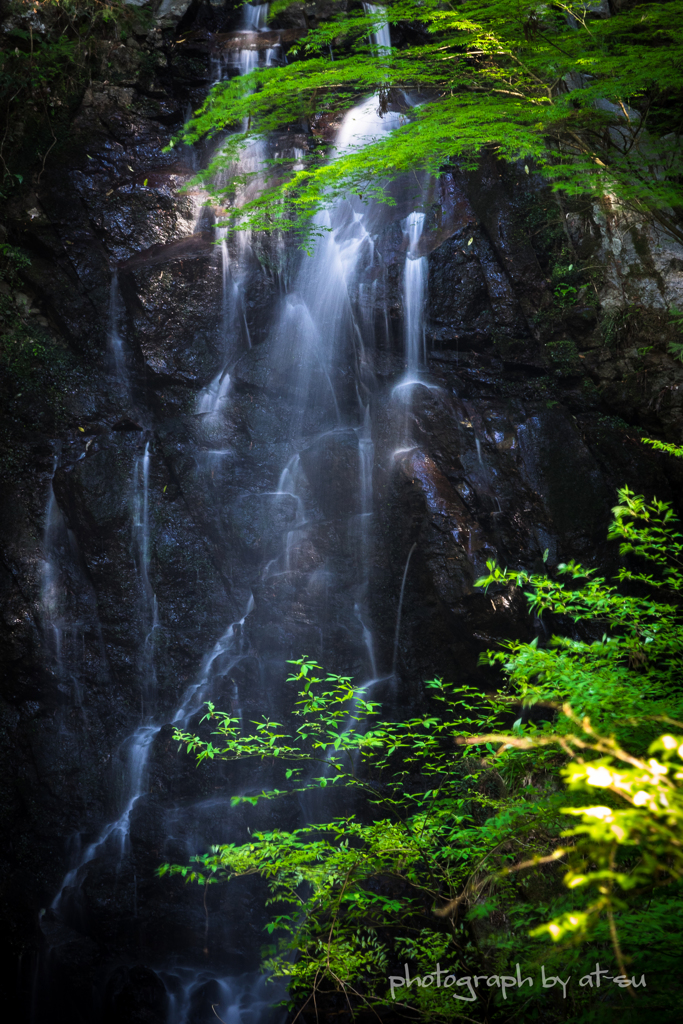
[
  {"x": 633, "y": 660},
  {"x": 458, "y": 841},
  {"x": 351, "y": 895},
  {"x": 648, "y": 820},
  {"x": 632, "y": 842},
  {"x": 12, "y": 259},
  {"x": 50, "y": 49},
  {"x": 553, "y": 86},
  {"x": 564, "y": 356},
  {"x": 564, "y": 279}
]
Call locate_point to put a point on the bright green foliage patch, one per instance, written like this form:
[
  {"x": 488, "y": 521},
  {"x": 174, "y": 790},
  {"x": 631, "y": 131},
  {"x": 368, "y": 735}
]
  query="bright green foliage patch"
[
  {"x": 469, "y": 847},
  {"x": 634, "y": 662},
  {"x": 594, "y": 102}
]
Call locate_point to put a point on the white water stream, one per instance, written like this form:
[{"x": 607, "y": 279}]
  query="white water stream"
[
  {"x": 114, "y": 339},
  {"x": 414, "y": 297},
  {"x": 381, "y": 37}
]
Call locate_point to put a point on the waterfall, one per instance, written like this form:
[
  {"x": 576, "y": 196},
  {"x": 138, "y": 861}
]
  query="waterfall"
[
  {"x": 234, "y": 327},
  {"x": 133, "y": 753},
  {"x": 141, "y": 553},
  {"x": 254, "y": 17},
  {"x": 292, "y": 482},
  {"x": 66, "y": 608},
  {"x": 381, "y": 37},
  {"x": 304, "y": 584},
  {"x": 397, "y": 634},
  {"x": 50, "y": 583},
  {"x": 414, "y": 297}
]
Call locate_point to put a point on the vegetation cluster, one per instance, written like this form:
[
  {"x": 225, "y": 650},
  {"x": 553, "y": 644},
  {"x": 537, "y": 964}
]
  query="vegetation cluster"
[
  {"x": 538, "y": 827},
  {"x": 589, "y": 94}
]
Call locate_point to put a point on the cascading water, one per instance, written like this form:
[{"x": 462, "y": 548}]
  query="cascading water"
[
  {"x": 50, "y": 584},
  {"x": 306, "y": 589},
  {"x": 381, "y": 36},
  {"x": 234, "y": 326},
  {"x": 366, "y": 453},
  {"x": 397, "y": 634},
  {"x": 67, "y": 606},
  {"x": 141, "y": 553},
  {"x": 287, "y": 484},
  {"x": 133, "y": 752},
  {"x": 414, "y": 297},
  {"x": 414, "y": 294}
]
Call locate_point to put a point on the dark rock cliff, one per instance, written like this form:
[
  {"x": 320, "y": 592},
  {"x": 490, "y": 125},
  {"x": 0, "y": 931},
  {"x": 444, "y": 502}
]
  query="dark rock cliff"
[{"x": 127, "y": 547}]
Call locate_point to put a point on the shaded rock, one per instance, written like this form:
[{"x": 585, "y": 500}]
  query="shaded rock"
[
  {"x": 258, "y": 521},
  {"x": 135, "y": 995},
  {"x": 331, "y": 465}
]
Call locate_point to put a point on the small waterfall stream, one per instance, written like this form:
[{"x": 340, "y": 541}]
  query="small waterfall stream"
[
  {"x": 382, "y": 37},
  {"x": 414, "y": 297},
  {"x": 115, "y": 341},
  {"x": 51, "y": 588},
  {"x": 149, "y": 613}
]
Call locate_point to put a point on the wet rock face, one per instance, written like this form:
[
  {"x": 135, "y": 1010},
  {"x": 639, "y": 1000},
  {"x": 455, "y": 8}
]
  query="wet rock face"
[
  {"x": 465, "y": 267},
  {"x": 212, "y": 514}
]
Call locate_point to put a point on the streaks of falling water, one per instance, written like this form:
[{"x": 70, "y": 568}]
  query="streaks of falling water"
[
  {"x": 317, "y": 319},
  {"x": 135, "y": 751},
  {"x": 233, "y": 1000},
  {"x": 414, "y": 296},
  {"x": 381, "y": 37},
  {"x": 254, "y": 16},
  {"x": 366, "y": 457},
  {"x": 318, "y": 324},
  {"x": 50, "y": 585},
  {"x": 368, "y": 640},
  {"x": 211, "y": 399},
  {"x": 66, "y": 608},
  {"x": 414, "y": 301},
  {"x": 233, "y": 325},
  {"x": 232, "y": 297},
  {"x": 292, "y": 482},
  {"x": 230, "y": 649},
  {"x": 114, "y": 339},
  {"x": 150, "y": 609},
  {"x": 400, "y": 608},
  {"x": 362, "y": 124}
]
